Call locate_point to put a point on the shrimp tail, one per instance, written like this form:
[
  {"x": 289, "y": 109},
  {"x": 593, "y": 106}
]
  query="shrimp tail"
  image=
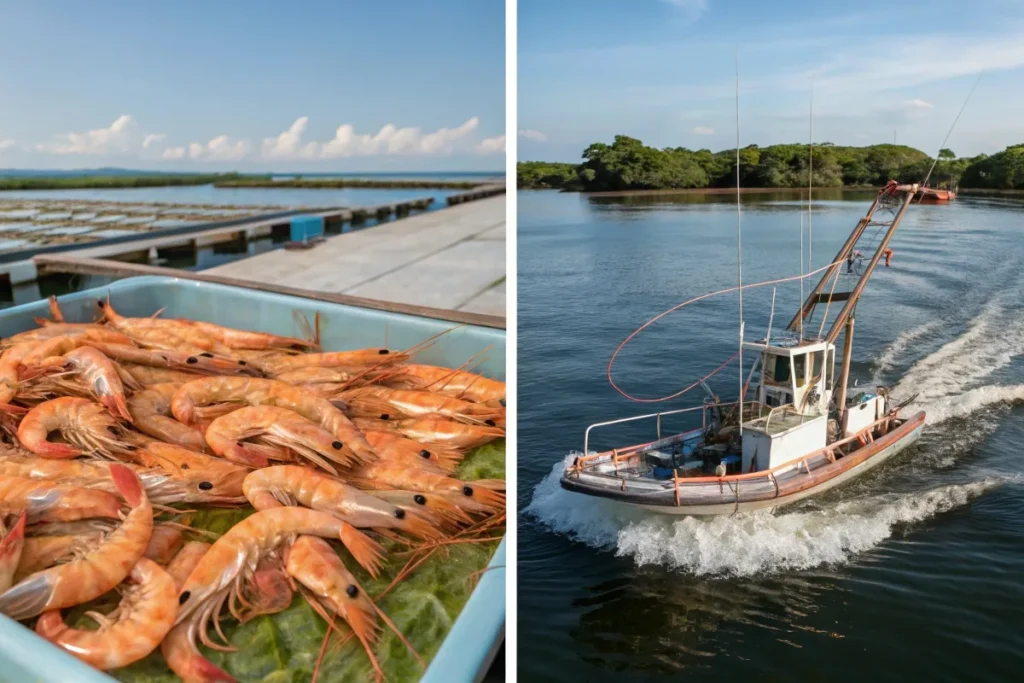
[
  {"x": 127, "y": 484},
  {"x": 57, "y": 451},
  {"x": 10, "y": 552},
  {"x": 117, "y": 404},
  {"x": 364, "y": 549}
]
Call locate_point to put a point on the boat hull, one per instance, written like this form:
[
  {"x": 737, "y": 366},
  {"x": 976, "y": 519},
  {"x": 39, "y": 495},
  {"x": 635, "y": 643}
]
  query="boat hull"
[{"x": 730, "y": 496}]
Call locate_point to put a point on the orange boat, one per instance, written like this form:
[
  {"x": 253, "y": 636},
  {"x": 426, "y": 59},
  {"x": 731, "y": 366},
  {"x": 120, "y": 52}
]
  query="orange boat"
[{"x": 927, "y": 195}]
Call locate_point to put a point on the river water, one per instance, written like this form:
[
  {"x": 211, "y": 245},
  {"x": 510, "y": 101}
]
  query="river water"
[{"x": 910, "y": 573}]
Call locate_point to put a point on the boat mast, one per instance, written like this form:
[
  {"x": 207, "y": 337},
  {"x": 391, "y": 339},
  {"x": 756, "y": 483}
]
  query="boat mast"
[
  {"x": 810, "y": 190},
  {"x": 739, "y": 236}
]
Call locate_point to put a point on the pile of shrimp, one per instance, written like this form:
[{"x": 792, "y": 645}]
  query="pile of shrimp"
[{"x": 108, "y": 425}]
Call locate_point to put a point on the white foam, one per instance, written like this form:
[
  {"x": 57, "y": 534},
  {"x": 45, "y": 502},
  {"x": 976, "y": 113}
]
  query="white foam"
[
  {"x": 899, "y": 345},
  {"x": 743, "y": 544}
]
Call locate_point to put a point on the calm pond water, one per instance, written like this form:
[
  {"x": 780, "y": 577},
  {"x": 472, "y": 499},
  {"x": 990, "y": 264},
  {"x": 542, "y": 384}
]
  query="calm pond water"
[
  {"x": 241, "y": 196},
  {"x": 911, "y": 573}
]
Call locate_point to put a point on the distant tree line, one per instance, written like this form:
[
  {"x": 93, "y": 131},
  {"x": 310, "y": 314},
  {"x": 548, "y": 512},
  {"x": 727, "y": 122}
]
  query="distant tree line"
[
  {"x": 111, "y": 181},
  {"x": 628, "y": 164}
]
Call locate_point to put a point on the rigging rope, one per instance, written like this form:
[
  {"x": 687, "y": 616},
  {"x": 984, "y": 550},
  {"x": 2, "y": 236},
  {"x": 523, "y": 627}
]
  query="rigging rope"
[{"x": 637, "y": 331}]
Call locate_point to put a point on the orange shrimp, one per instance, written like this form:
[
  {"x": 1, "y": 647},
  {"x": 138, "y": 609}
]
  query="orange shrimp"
[
  {"x": 279, "y": 428},
  {"x": 195, "y": 477},
  {"x": 164, "y": 543},
  {"x": 386, "y": 403},
  {"x": 443, "y": 513},
  {"x": 277, "y": 364},
  {"x": 151, "y": 413},
  {"x": 185, "y": 561},
  {"x": 437, "y": 431},
  {"x": 314, "y": 376},
  {"x": 148, "y": 376},
  {"x": 10, "y": 370},
  {"x": 95, "y": 572},
  {"x": 274, "y": 393},
  {"x": 98, "y": 372},
  {"x": 272, "y": 487},
  {"x": 218, "y": 576},
  {"x": 455, "y": 383},
  {"x": 163, "y": 333},
  {"x": 244, "y": 339},
  {"x": 177, "y": 359},
  {"x": 145, "y": 615},
  {"x": 82, "y": 422},
  {"x": 96, "y": 333},
  {"x": 46, "y": 501},
  {"x": 391, "y": 446},
  {"x": 11, "y": 545},
  {"x": 313, "y": 563},
  {"x": 43, "y": 552},
  {"x": 481, "y": 495}
]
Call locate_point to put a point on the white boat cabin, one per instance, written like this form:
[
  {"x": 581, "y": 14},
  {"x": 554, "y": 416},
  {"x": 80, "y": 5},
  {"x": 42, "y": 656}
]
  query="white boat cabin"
[{"x": 796, "y": 386}]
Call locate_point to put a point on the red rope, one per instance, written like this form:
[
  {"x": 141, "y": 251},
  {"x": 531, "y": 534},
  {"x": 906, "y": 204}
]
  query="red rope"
[{"x": 637, "y": 331}]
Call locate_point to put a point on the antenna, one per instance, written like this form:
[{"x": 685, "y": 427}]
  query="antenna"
[
  {"x": 810, "y": 186},
  {"x": 946, "y": 139},
  {"x": 801, "y": 266},
  {"x": 739, "y": 235}
]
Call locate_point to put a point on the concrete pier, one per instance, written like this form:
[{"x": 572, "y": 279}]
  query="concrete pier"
[{"x": 450, "y": 259}]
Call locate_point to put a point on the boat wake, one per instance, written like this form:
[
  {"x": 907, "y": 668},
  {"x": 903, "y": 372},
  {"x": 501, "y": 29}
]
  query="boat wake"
[{"x": 743, "y": 544}]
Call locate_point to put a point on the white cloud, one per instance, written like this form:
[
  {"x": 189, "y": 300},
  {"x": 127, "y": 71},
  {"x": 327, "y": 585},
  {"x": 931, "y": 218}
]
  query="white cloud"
[
  {"x": 6, "y": 144},
  {"x": 491, "y": 145},
  {"x": 917, "y": 104},
  {"x": 173, "y": 153},
  {"x": 288, "y": 145},
  {"x": 534, "y": 135},
  {"x": 219, "y": 148},
  {"x": 703, "y": 130},
  {"x": 117, "y": 137},
  {"x": 153, "y": 139}
]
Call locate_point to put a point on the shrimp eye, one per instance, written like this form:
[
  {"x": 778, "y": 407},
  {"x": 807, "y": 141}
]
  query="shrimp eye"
[
  {"x": 183, "y": 598},
  {"x": 206, "y": 486},
  {"x": 242, "y": 362},
  {"x": 129, "y": 447},
  {"x": 351, "y": 590},
  {"x": 385, "y": 416},
  {"x": 191, "y": 360},
  {"x": 424, "y": 454},
  {"x": 420, "y": 499},
  {"x": 467, "y": 490},
  {"x": 502, "y": 402},
  {"x": 206, "y": 355},
  {"x": 490, "y": 423},
  {"x": 383, "y": 352},
  {"x": 399, "y": 513},
  {"x": 112, "y": 430},
  {"x": 184, "y": 466},
  {"x": 336, "y": 445}
]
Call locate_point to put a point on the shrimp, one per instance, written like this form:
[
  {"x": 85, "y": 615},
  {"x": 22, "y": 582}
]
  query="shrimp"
[
  {"x": 90, "y": 331},
  {"x": 98, "y": 372},
  {"x": 164, "y": 543},
  {"x": 279, "y": 428},
  {"x": 45, "y": 501},
  {"x": 391, "y": 446},
  {"x": 151, "y": 413},
  {"x": 145, "y": 615},
  {"x": 294, "y": 485},
  {"x": 148, "y": 376},
  {"x": 243, "y": 339},
  {"x": 82, "y": 422},
  {"x": 314, "y": 564},
  {"x": 455, "y": 383},
  {"x": 95, "y": 572},
  {"x": 201, "y": 478},
  {"x": 272, "y": 392},
  {"x": 387, "y": 403},
  {"x": 314, "y": 376},
  {"x": 481, "y": 495},
  {"x": 11, "y": 545},
  {"x": 443, "y": 513},
  {"x": 163, "y": 333},
  {"x": 185, "y": 561},
  {"x": 43, "y": 552},
  {"x": 10, "y": 370},
  {"x": 436, "y": 431},
  {"x": 277, "y": 364},
  {"x": 176, "y": 359}
]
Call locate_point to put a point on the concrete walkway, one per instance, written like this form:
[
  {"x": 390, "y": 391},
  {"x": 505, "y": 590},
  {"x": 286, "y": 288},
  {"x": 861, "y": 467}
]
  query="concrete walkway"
[{"x": 453, "y": 259}]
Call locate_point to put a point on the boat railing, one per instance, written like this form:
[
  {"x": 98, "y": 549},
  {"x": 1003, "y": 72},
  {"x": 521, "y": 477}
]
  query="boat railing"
[{"x": 657, "y": 417}]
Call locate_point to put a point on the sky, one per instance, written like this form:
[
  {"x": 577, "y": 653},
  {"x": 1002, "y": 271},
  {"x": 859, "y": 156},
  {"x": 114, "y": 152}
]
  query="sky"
[
  {"x": 664, "y": 71},
  {"x": 317, "y": 85}
]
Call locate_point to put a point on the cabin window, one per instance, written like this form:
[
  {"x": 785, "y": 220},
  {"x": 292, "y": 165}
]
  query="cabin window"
[
  {"x": 800, "y": 369},
  {"x": 830, "y": 365},
  {"x": 777, "y": 369},
  {"x": 817, "y": 361}
]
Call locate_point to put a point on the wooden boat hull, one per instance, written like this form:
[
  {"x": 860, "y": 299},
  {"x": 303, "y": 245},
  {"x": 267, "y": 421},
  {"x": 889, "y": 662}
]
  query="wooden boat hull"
[
  {"x": 935, "y": 196},
  {"x": 742, "y": 494}
]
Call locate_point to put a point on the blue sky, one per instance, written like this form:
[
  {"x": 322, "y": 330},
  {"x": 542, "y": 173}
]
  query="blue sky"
[
  {"x": 341, "y": 85},
  {"x": 664, "y": 71}
]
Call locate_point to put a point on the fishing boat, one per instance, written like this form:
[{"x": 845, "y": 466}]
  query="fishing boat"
[
  {"x": 803, "y": 433},
  {"x": 927, "y": 195}
]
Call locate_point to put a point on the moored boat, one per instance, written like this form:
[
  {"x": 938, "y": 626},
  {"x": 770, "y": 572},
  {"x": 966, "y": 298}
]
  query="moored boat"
[
  {"x": 927, "y": 195},
  {"x": 801, "y": 434}
]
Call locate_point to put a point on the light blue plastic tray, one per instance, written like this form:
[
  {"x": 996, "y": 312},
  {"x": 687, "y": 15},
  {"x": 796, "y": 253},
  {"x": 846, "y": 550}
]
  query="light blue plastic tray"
[{"x": 479, "y": 629}]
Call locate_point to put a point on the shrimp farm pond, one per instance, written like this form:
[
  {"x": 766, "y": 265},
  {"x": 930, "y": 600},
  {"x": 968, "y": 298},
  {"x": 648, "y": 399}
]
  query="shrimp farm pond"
[{"x": 182, "y": 498}]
